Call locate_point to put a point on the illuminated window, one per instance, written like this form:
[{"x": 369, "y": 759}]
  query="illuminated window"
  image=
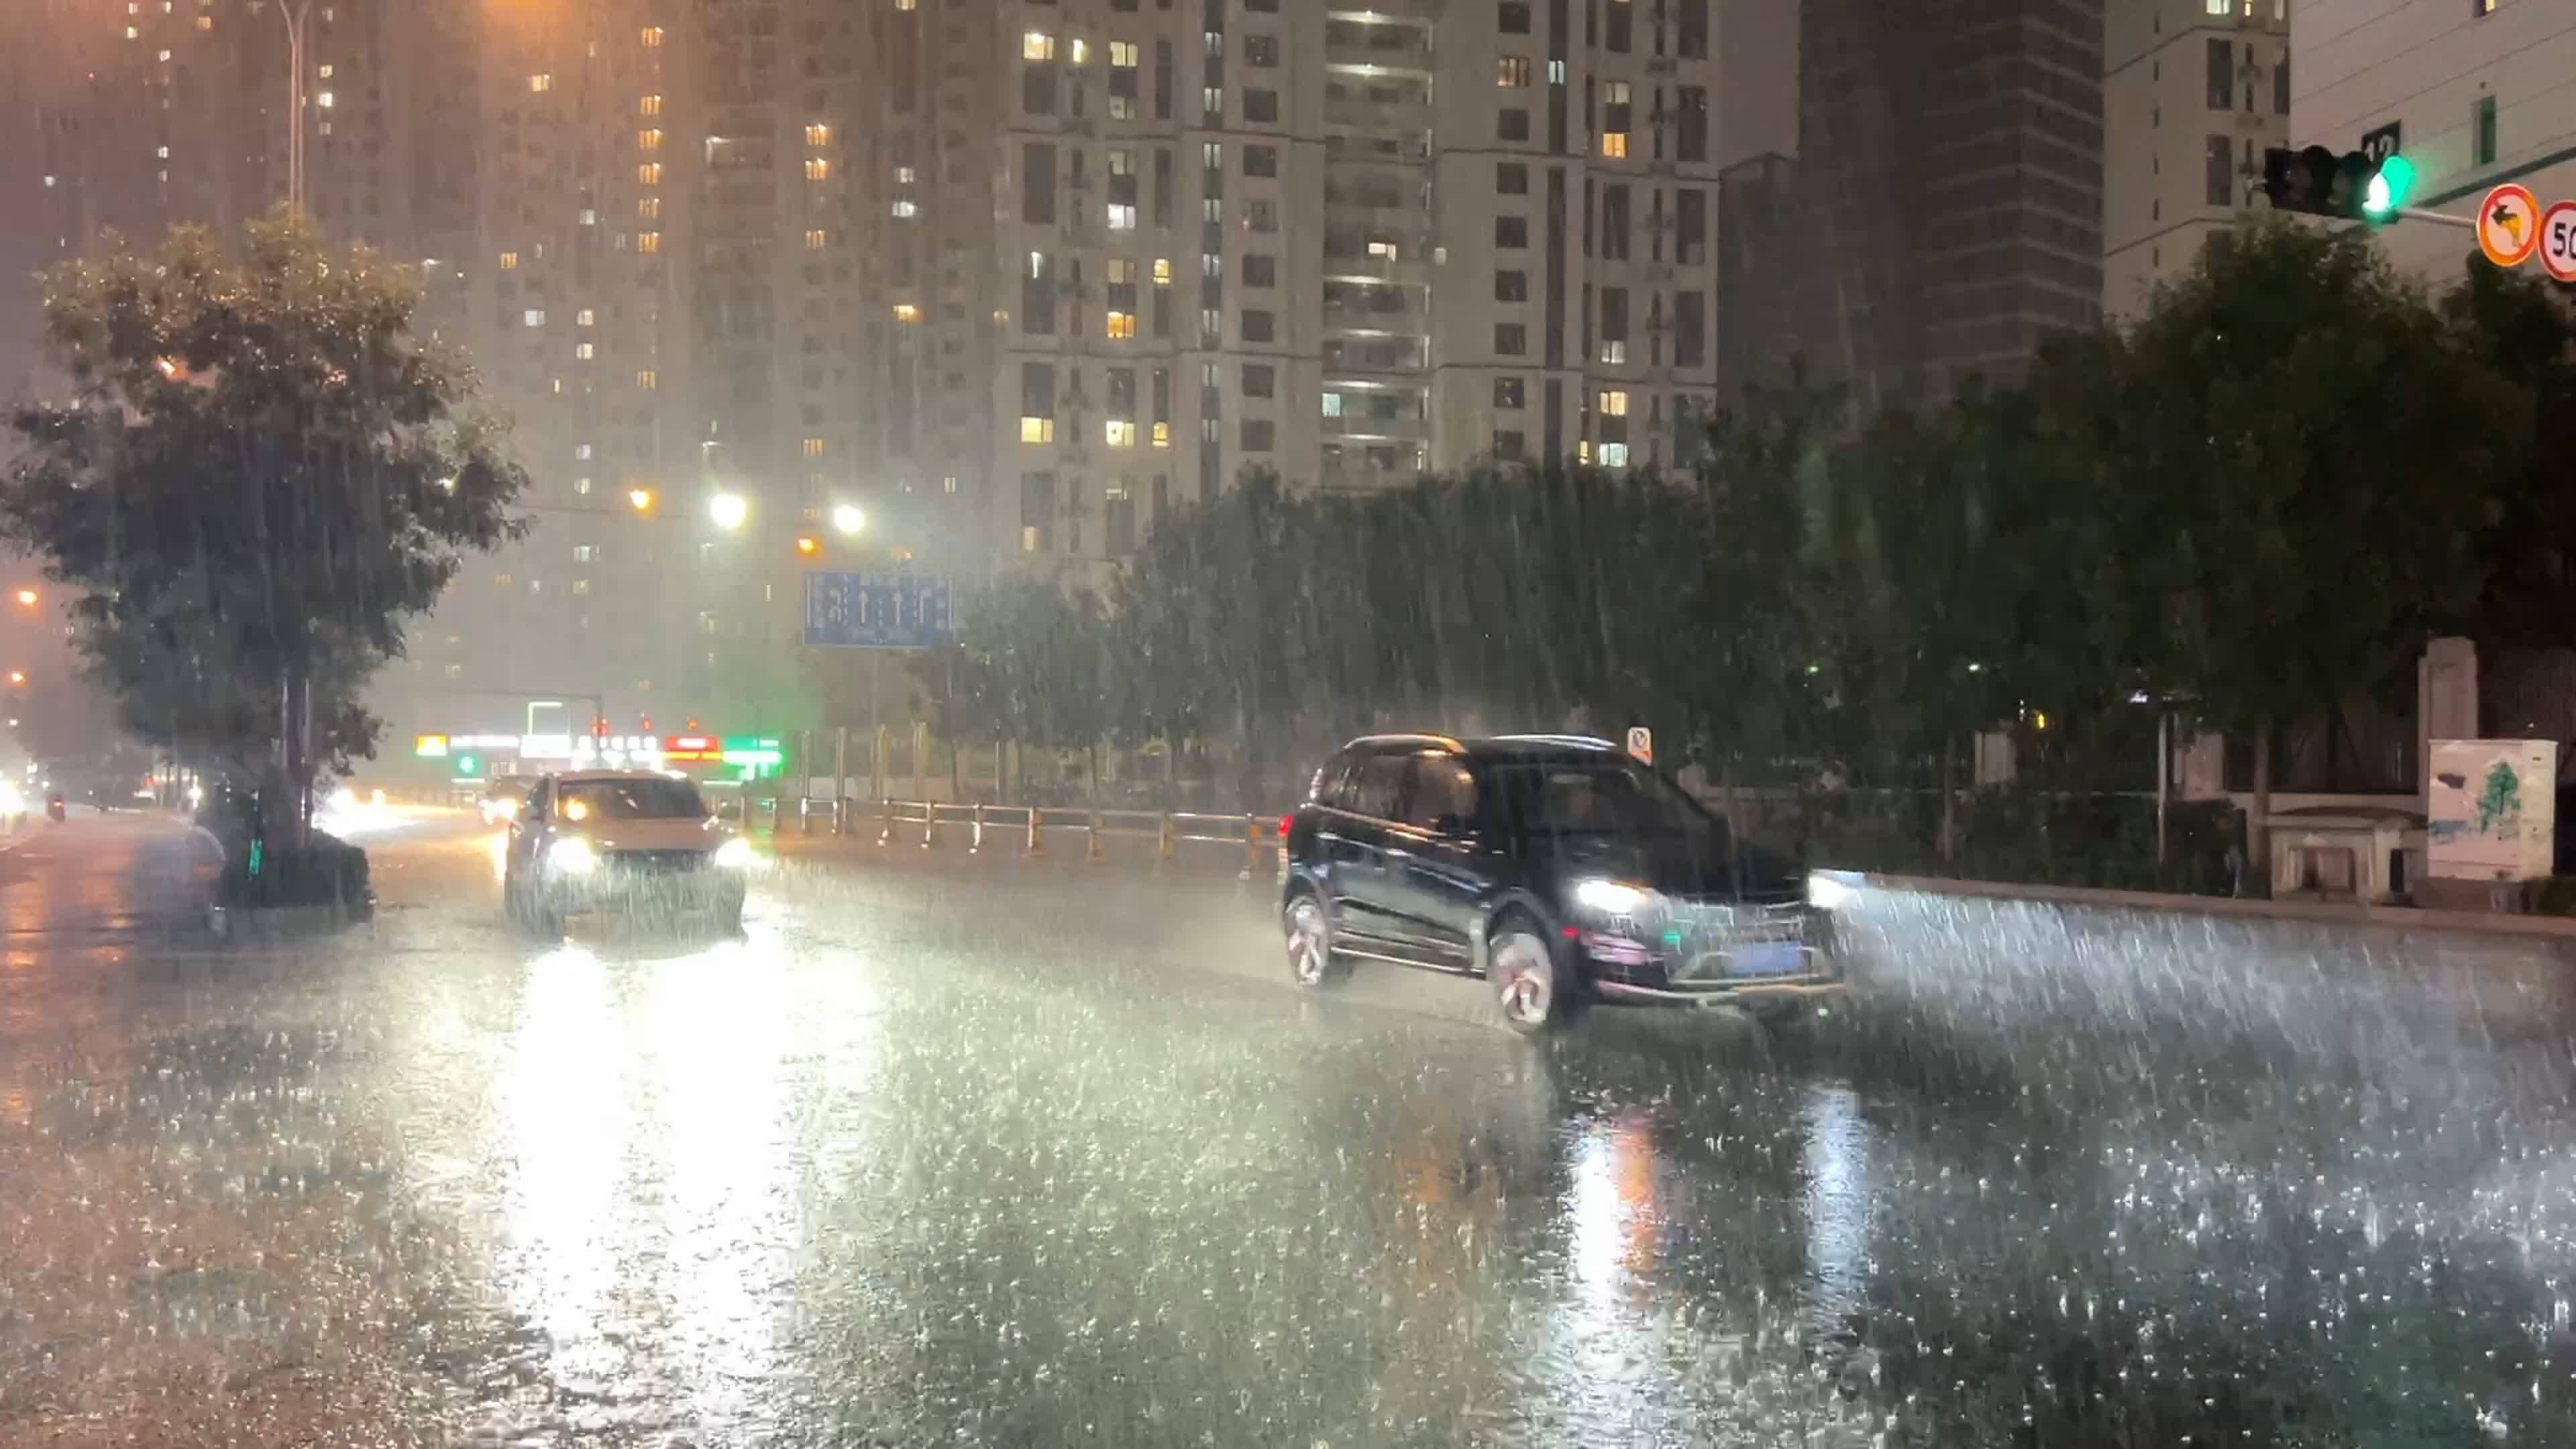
[
  {"x": 906, "y": 312},
  {"x": 813, "y": 447},
  {"x": 1614, "y": 455},
  {"x": 585, "y": 318},
  {"x": 1037, "y": 430},
  {"x": 1037, "y": 45},
  {"x": 1121, "y": 218},
  {"x": 907, "y": 208},
  {"x": 1615, "y": 352},
  {"x": 1162, "y": 435},
  {"x": 903, "y": 176},
  {"x": 652, "y": 37},
  {"x": 533, "y": 317},
  {"x": 1614, "y": 143},
  {"x": 649, "y": 209},
  {"x": 205, "y": 22},
  {"x": 649, "y": 173},
  {"x": 649, "y": 106},
  {"x": 1122, "y": 326},
  {"x": 818, "y": 134},
  {"x": 1162, "y": 271},
  {"x": 649, "y": 243},
  {"x": 1121, "y": 433},
  {"x": 1122, "y": 53},
  {"x": 1511, "y": 70},
  {"x": 814, "y": 239},
  {"x": 324, "y": 100},
  {"x": 585, "y": 351},
  {"x": 1614, "y": 403},
  {"x": 581, "y": 486},
  {"x": 817, "y": 169},
  {"x": 648, "y": 140},
  {"x": 324, "y": 72},
  {"x": 648, "y": 379},
  {"x": 541, "y": 83}
]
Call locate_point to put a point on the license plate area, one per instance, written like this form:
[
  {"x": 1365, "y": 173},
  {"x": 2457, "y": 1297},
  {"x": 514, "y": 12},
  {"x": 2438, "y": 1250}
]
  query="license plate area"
[{"x": 1766, "y": 958}]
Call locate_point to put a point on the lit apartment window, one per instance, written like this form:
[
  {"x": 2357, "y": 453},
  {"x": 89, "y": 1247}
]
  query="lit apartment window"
[
  {"x": 205, "y": 22},
  {"x": 1614, "y": 143},
  {"x": 1081, "y": 51},
  {"x": 813, "y": 447},
  {"x": 1614, "y": 403},
  {"x": 649, "y": 208},
  {"x": 818, "y": 134},
  {"x": 1122, "y": 326},
  {"x": 533, "y": 317},
  {"x": 1037, "y": 45},
  {"x": 905, "y": 208},
  {"x": 1121, "y": 218},
  {"x": 541, "y": 83},
  {"x": 581, "y": 486},
  {"x": 817, "y": 169},
  {"x": 1162, "y": 271},
  {"x": 652, "y": 37},
  {"x": 1615, "y": 352},
  {"x": 324, "y": 72},
  {"x": 648, "y": 140},
  {"x": 1122, "y": 54},
  {"x": 585, "y": 351},
  {"x": 649, "y": 173},
  {"x": 1162, "y": 435},
  {"x": 1614, "y": 455},
  {"x": 906, "y": 312},
  {"x": 1120, "y": 433},
  {"x": 649, "y": 106},
  {"x": 1511, "y": 70},
  {"x": 324, "y": 100},
  {"x": 904, "y": 176},
  {"x": 648, "y": 379},
  {"x": 1037, "y": 430},
  {"x": 649, "y": 243},
  {"x": 814, "y": 238}
]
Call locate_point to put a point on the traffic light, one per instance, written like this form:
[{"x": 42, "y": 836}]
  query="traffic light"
[{"x": 2317, "y": 182}]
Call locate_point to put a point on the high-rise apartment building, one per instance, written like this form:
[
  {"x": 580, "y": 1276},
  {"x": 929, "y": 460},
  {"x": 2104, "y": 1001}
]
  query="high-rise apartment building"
[
  {"x": 1131, "y": 249},
  {"x": 1950, "y": 165},
  {"x": 2193, "y": 93},
  {"x": 2474, "y": 92}
]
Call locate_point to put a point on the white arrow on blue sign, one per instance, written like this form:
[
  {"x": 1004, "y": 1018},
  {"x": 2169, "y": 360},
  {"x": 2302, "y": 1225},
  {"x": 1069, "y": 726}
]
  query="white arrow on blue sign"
[{"x": 876, "y": 611}]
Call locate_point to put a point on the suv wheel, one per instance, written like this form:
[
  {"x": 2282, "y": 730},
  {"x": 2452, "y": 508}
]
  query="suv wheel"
[
  {"x": 1311, "y": 962},
  {"x": 1531, "y": 989}
]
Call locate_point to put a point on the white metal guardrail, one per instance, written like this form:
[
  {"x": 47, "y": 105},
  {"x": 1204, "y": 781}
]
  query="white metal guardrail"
[{"x": 932, "y": 825}]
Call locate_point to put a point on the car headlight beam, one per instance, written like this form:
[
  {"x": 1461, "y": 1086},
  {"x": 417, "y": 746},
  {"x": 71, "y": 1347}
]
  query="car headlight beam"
[
  {"x": 571, "y": 856},
  {"x": 1826, "y": 893},
  {"x": 736, "y": 854},
  {"x": 1611, "y": 898}
]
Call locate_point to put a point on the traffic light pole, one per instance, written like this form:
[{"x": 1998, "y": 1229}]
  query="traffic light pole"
[{"x": 2442, "y": 218}]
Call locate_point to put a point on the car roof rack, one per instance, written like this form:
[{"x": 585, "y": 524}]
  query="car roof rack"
[
  {"x": 1593, "y": 742},
  {"x": 1401, "y": 738}
]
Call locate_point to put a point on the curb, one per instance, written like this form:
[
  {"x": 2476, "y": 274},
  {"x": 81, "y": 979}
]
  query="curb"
[{"x": 2393, "y": 918}]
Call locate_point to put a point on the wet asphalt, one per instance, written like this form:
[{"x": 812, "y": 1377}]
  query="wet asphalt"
[{"x": 951, "y": 1150}]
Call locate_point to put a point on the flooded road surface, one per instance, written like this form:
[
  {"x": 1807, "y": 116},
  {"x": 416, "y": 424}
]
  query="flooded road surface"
[{"x": 959, "y": 1152}]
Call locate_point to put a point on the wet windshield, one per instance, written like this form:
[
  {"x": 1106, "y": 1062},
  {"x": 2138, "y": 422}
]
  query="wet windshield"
[
  {"x": 1602, "y": 799},
  {"x": 631, "y": 800}
]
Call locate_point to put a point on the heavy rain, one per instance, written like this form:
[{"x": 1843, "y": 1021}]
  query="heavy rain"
[{"x": 1255, "y": 722}]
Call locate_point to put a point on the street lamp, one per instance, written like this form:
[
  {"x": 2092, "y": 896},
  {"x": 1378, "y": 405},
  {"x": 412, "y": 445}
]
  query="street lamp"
[
  {"x": 848, "y": 519},
  {"x": 640, "y": 499},
  {"x": 27, "y": 598},
  {"x": 728, "y": 510}
]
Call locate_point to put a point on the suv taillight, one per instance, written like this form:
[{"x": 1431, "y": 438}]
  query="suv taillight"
[{"x": 1284, "y": 822}]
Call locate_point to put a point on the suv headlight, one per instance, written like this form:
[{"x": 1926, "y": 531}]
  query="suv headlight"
[
  {"x": 1611, "y": 898},
  {"x": 1825, "y": 893},
  {"x": 736, "y": 854},
  {"x": 572, "y": 856}
]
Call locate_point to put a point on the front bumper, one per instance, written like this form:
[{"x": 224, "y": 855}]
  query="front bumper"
[
  {"x": 619, "y": 883},
  {"x": 1693, "y": 955}
]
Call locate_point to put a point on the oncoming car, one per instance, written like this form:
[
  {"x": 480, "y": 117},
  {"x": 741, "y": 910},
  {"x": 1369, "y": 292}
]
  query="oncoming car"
[
  {"x": 610, "y": 839},
  {"x": 1554, "y": 867},
  {"x": 502, "y": 799}
]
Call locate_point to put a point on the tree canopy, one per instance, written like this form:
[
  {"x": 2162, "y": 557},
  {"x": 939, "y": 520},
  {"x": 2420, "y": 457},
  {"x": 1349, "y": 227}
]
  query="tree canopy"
[{"x": 261, "y": 476}]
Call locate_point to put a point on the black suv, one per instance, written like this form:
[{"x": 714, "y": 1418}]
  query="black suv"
[{"x": 1555, "y": 867}]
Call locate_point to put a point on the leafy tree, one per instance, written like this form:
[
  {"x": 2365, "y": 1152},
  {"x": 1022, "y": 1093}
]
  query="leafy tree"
[{"x": 262, "y": 476}]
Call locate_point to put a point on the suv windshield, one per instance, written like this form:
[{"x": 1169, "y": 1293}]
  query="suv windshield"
[
  {"x": 1605, "y": 798},
  {"x": 631, "y": 800}
]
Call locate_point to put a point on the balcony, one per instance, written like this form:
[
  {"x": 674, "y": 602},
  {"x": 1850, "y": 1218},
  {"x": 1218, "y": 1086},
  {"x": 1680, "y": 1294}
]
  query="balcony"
[
  {"x": 1381, "y": 270},
  {"x": 1373, "y": 430}
]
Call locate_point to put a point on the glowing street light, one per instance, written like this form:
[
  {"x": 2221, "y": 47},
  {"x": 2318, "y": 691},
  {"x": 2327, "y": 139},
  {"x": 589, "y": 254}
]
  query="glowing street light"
[
  {"x": 17, "y": 676},
  {"x": 27, "y": 598},
  {"x": 729, "y": 510},
  {"x": 848, "y": 519},
  {"x": 640, "y": 499}
]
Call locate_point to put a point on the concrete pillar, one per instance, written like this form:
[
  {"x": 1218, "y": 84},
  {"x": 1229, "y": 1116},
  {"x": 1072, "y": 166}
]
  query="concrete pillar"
[{"x": 2446, "y": 704}]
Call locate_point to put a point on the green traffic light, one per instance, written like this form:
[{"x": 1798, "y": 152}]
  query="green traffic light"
[{"x": 2389, "y": 186}]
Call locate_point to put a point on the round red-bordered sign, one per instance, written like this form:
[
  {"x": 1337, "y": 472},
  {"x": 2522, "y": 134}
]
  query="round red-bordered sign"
[
  {"x": 2558, "y": 240},
  {"x": 2509, "y": 224}
]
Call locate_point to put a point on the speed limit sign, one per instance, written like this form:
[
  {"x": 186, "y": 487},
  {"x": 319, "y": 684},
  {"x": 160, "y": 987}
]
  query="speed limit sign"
[{"x": 2558, "y": 240}]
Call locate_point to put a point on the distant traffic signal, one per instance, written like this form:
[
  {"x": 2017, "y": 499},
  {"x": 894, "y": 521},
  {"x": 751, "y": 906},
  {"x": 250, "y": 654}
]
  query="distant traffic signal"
[{"x": 2354, "y": 186}]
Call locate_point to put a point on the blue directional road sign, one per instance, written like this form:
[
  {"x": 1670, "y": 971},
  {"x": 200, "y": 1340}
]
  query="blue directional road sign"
[{"x": 876, "y": 611}]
